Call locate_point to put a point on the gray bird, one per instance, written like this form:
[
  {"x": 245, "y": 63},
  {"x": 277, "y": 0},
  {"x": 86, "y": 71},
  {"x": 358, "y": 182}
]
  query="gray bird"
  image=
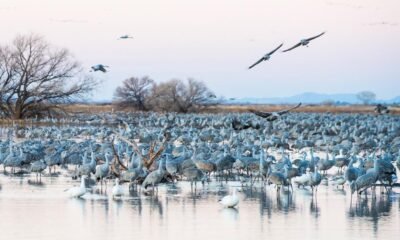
[
  {"x": 103, "y": 169},
  {"x": 272, "y": 116},
  {"x": 266, "y": 56},
  {"x": 304, "y": 42},
  {"x": 367, "y": 180},
  {"x": 154, "y": 177},
  {"x": 99, "y": 67},
  {"x": 125, "y": 37},
  {"x": 38, "y": 167}
]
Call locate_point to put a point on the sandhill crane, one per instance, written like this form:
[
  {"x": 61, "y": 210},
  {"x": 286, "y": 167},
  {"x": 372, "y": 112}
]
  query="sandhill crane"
[
  {"x": 125, "y": 37},
  {"x": 341, "y": 160},
  {"x": 205, "y": 166},
  {"x": 266, "y": 56},
  {"x": 277, "y": 178},
  {"x": 12, "y": 160},
  {"x": 325, "y": 164},
  {"x": 132, "y": 174},
  {"x": 155, "y": 177},
  {"x": 230, "y": 201},
  {"x": 272, "y": 116},
  {"x": 99, "y": 67},
  {"x": 38, "y": 167},
  {"x": 351, "y": 174},
  {"x": 193, "y": 175},
  {"x": 88, "y": 168},
  {"x": 304, "y": 42},
  {"x": 315, "y": 180},
  {"x": 102, "y": 170},
  {"x": 367, "y": 180}
]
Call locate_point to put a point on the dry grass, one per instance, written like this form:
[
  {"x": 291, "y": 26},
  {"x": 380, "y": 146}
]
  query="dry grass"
[
  {"x": 303, "y": 108},
  {"x": 89, "y": 108},
  {"x": 107, "y": 108},
  {"x": 97, "y": 108}
]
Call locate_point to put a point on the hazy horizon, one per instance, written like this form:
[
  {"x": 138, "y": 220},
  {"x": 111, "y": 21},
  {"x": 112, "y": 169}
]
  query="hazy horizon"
[{"x": 216, "y": 41}]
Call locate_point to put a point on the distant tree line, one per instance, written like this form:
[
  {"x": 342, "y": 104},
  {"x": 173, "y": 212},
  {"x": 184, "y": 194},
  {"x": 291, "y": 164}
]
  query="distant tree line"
[{"x": 175, "y": 95}]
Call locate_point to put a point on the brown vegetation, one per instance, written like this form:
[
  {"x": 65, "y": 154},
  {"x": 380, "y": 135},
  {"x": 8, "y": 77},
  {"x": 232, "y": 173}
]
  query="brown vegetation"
[
  {"x": 97, "y": 108},
  {"x": 144, "y": 94}
]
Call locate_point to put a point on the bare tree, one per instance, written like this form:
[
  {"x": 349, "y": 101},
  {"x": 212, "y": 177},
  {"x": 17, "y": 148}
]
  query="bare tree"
[
  {"x": 35, "y": 77},
  {"x": 178, "y": 96},
  {"x": 134, "y": 93},
  {"x": 366, "y": 97}
]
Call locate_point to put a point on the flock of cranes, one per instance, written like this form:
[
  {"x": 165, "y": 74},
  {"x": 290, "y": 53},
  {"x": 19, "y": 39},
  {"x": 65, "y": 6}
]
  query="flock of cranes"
[
  {"x": 303, "y": 42},
  {"x": 283, "y": 149}
]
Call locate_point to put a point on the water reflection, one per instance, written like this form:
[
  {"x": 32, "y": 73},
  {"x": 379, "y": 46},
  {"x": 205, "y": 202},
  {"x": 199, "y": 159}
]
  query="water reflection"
[
  {"x": 314, "y": 208},
  {"x": 371, "y": 207},
  {"x": 176, "y": 208},
  {"x": 155, "y": 204},
  {"x": 230, "y": 214}
]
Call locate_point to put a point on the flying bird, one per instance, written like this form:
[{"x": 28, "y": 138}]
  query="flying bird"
[
  {"x": 125, "y": 37},
  {"x": 99, "y": 67},
  {"x": 266, "y": 56},
  {"x": 304, "y": 42},
  {"x": 272, "y": 116}
]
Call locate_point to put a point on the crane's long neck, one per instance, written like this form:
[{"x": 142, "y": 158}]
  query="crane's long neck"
[
  {"x": 261, "y": 157},
  {"x": 83, "y": 182},
  {"x": 93, "y": 161},
  {"x": 107, "y": 159}
]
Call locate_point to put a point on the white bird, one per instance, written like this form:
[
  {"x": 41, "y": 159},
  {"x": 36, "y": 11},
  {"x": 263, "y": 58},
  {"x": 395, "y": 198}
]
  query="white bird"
[
  {"x": 77, "y": 192},
  {"x": 125, "y": 37},
  {"x": 303, "y": 180},
  {"x": 230, "y": 201},
  {"x": 266, "y": 56},
  {"x": 304, "y": 42},
  {"x": 117, "y": 190},
  {"x": 99, "y": 67}
]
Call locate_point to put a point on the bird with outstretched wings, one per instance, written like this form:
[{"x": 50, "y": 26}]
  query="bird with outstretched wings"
[
  {"x": 304, "y": 42},
  {"x": 266, "y": 56},
  {"x": 272, "y": 116}
]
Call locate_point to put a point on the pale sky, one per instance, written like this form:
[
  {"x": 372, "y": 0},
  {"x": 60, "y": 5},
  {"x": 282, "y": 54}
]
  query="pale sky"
[{"x": 216, "y": 40}]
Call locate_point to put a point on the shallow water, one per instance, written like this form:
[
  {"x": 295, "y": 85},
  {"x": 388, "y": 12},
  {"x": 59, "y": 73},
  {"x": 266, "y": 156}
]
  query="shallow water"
[{"x": 31, "y": 211}]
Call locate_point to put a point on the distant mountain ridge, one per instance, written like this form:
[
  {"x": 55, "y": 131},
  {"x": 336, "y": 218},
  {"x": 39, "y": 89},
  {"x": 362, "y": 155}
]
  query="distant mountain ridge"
[{"x": 309, "y": 98}]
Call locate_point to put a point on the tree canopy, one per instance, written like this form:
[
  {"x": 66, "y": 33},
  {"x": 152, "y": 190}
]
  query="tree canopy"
[{"x": 35, "y": 77}]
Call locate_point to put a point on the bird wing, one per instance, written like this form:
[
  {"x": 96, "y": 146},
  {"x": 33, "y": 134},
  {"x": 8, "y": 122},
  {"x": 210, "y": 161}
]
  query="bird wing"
[
  {"x": 288, "y": 110},
  {"x": 261, "y": 114},
  {"x": 261, "y": 59},
  {"x": 319, "y": 35},
  {"x": 276, "y": 49},
  {"x": 295, "y": 46}
]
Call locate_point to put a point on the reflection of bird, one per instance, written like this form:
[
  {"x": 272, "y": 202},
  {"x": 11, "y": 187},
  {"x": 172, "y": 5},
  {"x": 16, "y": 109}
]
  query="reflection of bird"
[
  {"x": 99, "y": 67},
  {"x": 230, "y": 201},
  {"x": 125, "y": 37},
  {"x": 266, "y": 56},
  {"x": 272, "y": 116},
  {"x": 304, "y": 42}
]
